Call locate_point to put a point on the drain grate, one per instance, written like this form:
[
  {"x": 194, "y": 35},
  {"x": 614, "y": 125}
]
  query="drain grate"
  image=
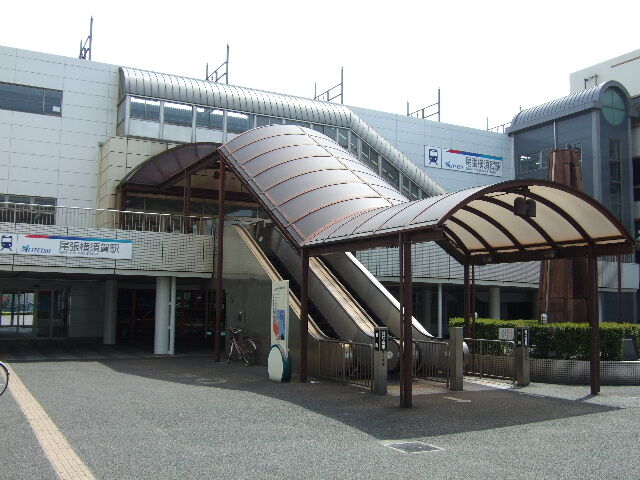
[{"x": 413, "y": 447}]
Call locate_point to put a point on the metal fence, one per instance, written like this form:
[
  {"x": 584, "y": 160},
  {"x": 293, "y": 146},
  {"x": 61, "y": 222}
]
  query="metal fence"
[
  {"x": 490, "y": 358},
  {"x": 347, "y": 362},
  {"x": 431, "y": 360},
  {"x": 577, "y": 372},
  {"x": 34, "y": 214}
]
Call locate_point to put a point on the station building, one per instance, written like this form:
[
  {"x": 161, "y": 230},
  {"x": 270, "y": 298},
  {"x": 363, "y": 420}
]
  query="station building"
[{"x": 114, "y": 161}]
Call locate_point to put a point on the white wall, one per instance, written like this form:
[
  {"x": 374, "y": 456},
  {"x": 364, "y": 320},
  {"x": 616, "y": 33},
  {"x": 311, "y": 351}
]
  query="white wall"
[
  {"x": 411, "y": 135},
  {"x": 624, "y": 69},
  {"x": 57, "y": 156}
]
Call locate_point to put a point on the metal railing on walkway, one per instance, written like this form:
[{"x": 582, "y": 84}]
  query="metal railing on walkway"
[
  {"x": 431, "y": 360},
  {"x": 344, "y": 361},
  {"x": 490, "y": 358},
  {"x": 34, "y": 214}
]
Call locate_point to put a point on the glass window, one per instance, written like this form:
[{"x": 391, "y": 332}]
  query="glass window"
[
  {"x": 365, "y": 153},
  {"x": 343, "y": 137},
  {"x": 415, "y": 192},
  {"x": 534, "y": 161},
  {"x": 613, "y": 107},
  {"x": 353, "y": 144},
  {"x": 406, "y": 186},
  {"x": 238, "y": 122},
  {"x": 262, "y": 121},
  {"x": 145, "y": 109},
  {"x": 178, "y": 114},
  {"x": 209, "y": 118},
  {"x": 52, "y": 102},
  {"x": 296, "y": 122},
  {"x": 21, "y": 98},
  {"x": 390, "y": 173},
  {"x": 27, "y": 209}
]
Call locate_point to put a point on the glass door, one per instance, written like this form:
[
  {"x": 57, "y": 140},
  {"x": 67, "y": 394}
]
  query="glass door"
[
  {"x": 17, "y": 313},
  {"x": 52, "y": 313}
]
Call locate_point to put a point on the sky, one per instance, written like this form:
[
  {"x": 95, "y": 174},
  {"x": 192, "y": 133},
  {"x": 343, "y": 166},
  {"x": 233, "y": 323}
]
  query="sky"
[{"x": 489, "y": 58}]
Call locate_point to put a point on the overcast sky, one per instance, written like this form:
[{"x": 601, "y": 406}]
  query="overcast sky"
[{"x": 488, "y": 57}]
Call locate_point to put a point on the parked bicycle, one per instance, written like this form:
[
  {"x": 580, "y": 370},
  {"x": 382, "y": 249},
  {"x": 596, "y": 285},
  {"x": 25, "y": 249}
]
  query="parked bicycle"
[
  {"x": 4, "y": 377},
  {"x": 243, "y": 347}
]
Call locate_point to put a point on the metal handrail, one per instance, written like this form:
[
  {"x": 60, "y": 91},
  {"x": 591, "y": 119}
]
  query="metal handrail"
[
  {"x": 350, "y": 362},
  {"x": 59, "y": 215}
]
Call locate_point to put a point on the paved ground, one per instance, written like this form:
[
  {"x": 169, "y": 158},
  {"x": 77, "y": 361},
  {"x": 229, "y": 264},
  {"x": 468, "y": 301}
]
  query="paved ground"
[{"x": 185, "y": 417}]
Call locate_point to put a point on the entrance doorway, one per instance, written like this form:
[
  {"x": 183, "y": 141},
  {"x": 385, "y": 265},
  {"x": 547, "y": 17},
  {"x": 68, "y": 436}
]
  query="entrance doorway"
[{"x": 34, "y": 313}]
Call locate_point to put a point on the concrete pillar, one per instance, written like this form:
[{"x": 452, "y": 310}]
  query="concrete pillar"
[
  {"x": 425, "y": 314},
  {"x": 172, "y": 316},
  {"x": 440, "y": 312},
  {"x": 110, "y": 312},
  {"x": 456, "y": 358},
  {"x": 494, "y": 302},
  {"x": 163, "y": 297}
]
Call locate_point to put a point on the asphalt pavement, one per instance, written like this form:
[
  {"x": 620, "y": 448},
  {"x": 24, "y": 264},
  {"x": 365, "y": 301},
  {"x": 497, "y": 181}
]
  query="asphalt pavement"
[{"x": 187, "y": 417}]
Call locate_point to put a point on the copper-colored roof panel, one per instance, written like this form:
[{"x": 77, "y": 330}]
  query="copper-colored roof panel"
[{"x": 318, "y": 193}]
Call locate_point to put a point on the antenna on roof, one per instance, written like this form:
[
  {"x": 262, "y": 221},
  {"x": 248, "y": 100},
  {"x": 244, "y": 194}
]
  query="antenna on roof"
[
  {"x": 499, "y": 128},
  {"x": 216, "y": 76},
  {"x": 327, "y": 96},
  {"x": 85, "y": 48},
  {"x": 422, "y": 112}
]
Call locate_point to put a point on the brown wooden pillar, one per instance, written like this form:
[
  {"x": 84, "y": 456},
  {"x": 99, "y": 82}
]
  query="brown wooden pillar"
[
  {"x": 219, "y": 258},
  {"x": 472, "y": 301},
  {"x": 304, "y": 313},
  {"x": 467, "y": 300},
  {"x": 592, "y": 315},
  {"x": 406, "y": 332}
]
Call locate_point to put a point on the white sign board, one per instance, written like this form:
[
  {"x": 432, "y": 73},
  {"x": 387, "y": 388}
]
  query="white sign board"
[
  {"x": 280, "y": 314},
  {"x": 507, "y": 334},
  {"x": 61, "y": 246},
  {"x": 459, "y": 160}
]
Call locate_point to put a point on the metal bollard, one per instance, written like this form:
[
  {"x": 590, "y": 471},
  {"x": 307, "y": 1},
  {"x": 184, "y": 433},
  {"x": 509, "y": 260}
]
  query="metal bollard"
[
  {"x": 523, "y": 377},
  {"x": 380, "y": 342},
  {"x": 456, "y": 345}
]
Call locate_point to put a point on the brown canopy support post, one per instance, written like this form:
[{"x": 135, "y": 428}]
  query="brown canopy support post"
[
  {"x": 467, "y": 300},
  {"x": 220, "y": 235},
  {"x": 186, "y": 202},
  {"x": 592, "y": 315},
  {"x": 406, "y": 340},
  {"x": 473, "y": 301},
  {"x": 304, "y": 313}
]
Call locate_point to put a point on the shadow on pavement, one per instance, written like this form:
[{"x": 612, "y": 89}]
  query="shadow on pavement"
[{"x": 437, "y": 412}]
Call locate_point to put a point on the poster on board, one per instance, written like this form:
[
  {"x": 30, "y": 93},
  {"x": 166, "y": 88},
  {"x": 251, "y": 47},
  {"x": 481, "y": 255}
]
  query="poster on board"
[{"x": 280, "y": 314}]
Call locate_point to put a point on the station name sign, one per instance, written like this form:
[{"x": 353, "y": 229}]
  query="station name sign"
[
  {"x": 59, "y": 246},
  {"x": 468, "y": 162}
]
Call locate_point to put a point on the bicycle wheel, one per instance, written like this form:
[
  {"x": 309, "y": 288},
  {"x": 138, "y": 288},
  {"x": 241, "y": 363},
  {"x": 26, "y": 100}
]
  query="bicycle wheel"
[
  {"x": 4, "y": 378},
  {"x": 249, "y": 352}
]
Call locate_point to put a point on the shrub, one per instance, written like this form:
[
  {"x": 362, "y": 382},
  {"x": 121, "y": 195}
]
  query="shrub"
[{"x": 561, "y": 340}]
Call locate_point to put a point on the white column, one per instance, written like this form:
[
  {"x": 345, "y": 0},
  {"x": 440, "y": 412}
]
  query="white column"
[
  {"x": 494, "y": 302},
  {"x": 172, "y": 317},
  {"x": 440, "y": 330},
  {"x": 110, "y": 312},
  {"x": 427, "y": 298},
  {"x": 163, "y": 297}
]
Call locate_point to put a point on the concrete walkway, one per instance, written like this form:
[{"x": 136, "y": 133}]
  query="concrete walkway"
[{"x": 186, "y": 417}]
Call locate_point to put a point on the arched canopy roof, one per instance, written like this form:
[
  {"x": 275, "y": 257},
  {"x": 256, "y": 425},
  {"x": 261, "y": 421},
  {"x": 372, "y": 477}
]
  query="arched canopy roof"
[
  {"x": 169, "y": 166},
  {"x": 324, "y": 199},
  {"x": 565, "y": 106},
  {"x": 163, "y": 86}
]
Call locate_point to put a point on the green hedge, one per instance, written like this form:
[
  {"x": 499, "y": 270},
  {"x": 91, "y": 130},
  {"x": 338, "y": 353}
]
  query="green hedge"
[{"x": 561, "y": 340}]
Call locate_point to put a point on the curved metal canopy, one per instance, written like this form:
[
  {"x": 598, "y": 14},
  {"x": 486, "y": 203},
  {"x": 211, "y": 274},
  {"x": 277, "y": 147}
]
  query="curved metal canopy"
[
  {"x": 201, "y": 92},
  {"x": 562, "y": 107},
  {"x": 322, "y": 197},
  {"x": 170, "y": 165}
]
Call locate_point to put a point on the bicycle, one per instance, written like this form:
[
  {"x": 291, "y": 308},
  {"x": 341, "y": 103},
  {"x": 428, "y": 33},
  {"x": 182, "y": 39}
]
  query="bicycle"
[
  {"x": 4, "y": 377},
  {"x": 243, "y": 347}
]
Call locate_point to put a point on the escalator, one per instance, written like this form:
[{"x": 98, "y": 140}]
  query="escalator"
[{"x": 341, "y": 279}]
